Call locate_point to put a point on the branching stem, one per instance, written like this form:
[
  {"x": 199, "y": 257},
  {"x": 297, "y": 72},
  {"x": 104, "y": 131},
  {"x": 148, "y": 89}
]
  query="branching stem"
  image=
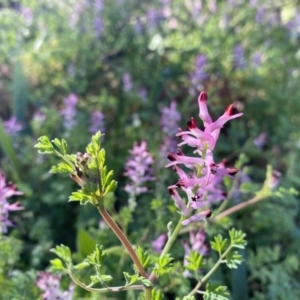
[{"x": 212, "y": 270}]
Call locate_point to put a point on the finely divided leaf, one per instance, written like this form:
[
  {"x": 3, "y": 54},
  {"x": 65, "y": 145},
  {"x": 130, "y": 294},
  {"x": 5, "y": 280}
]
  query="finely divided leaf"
[
  {"x": 214, "y": 291},
  {"x": 219, "y": 244},
  {"x": 44, "y": 145},
  {"x": 195, "y": 261},
  {"x": 62, "y": 168},
  {"x": 233, "y": 259}
]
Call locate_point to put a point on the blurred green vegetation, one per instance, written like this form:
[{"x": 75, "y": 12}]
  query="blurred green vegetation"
[{"x": 51, "y": 49}]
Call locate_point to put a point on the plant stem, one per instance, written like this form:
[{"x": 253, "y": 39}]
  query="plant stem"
[
  {"x": 213, "y": 269},
  {"x": 123, "y": 239},
  {"x": 105, "y": 290},
  {"x": 237, "y": 207},
  {"x": 169, "y": 243}
]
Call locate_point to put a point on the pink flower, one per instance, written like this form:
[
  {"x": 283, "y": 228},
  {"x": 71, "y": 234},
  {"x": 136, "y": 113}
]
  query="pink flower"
[
  {"x": 7, "y": 190},
  {"x": 201, "y": 183},
  {"x": 69, "y": 112},
  {"x": 97, "y": 122},
  {"x": 139, "y": 171},
  {"x": 196, "y": 243},
  {"x": 49, "y": 283},
  {"x": 159, "y": 243},
  {"x": 12, "y": 126}
]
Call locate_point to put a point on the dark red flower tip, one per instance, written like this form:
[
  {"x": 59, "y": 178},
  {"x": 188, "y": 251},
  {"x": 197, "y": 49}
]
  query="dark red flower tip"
[
  {"x": 230, "y": 110},
  {"x": 203, "y": 97},
  {"x": 209, "y": 213},
  {"x": 11, "y": 186},
  {"x": 171, "y": 157},
  {"x": 192, "y": 123},
  {"x": 232, "y": 171},
  {"x": 224, "y": 194},
  {"x": 171, "y": 192},
  {"x": 224, "y": 162},
  {"x": 213, "y": 168},
  {"x": 196, "y": 197}
]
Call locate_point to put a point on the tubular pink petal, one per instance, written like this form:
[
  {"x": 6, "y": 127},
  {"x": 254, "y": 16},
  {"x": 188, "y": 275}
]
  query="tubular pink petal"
[
  {"x": 197, "y": 217},
  {"x": 203, "y": 111},
  {"x": 178, "y": 201}
]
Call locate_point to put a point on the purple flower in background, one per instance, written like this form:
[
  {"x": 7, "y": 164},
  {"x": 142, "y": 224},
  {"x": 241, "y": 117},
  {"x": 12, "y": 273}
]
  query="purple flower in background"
[
  {"x": 7, "y": 190},
  {"x": 169, "y": 125},
  {"x": 12, "y": 126},
  {"x": 293, "y": 26},
  {"x": 199, "y": 74},
  {"x": 70, "y": 111},
  {"x": 38, "y": 117},
  {"x": 76, "y": 12},
  {"x": 261, "y": 140},
  {"x": 98, "y": 26},
  {"x": 49, "y": 284},
  {"x": 143, "y": 93},
  {"x": 139, "y": 171},
  {"x": 159, "y": 243},
  {"x": 97, "y": 122},
  {"x": 127, "y": 82},
  {"x": 196, "y": 243},
  {"x": 169, "y": 145},
  {"x": 138, "y": 27},
  {"x": 27, "y": 14},
  {"x": 153, "y": 18},
  {"x": 201, "y": 182},
  {"x": 212, "y": 6},
  {"x": 98, "y": 5},
  {"x": 256, "y": 59},
  {"x": 239, "y": 57},
  {"x": 260, "y": 14},
  {"x": 169, "y": 119}
]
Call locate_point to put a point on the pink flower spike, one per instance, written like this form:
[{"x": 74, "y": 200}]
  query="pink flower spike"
[
  {"x": 197, "y": 217},
  {"x": 203, "y": 111}
]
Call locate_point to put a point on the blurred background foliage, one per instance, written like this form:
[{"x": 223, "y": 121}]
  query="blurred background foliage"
[{"x": 128, "y": 59}]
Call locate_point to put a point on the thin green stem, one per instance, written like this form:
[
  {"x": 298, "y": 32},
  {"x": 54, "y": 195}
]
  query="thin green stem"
[
  {"x": 105, "y": 290},
  {"x": 170, "y": 242},
  {"x": 212, "y": 270}
]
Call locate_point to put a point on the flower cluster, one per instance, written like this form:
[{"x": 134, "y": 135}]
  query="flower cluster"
[
  {"x": 12, "y": 126},
  {"x": 195, "y": 243},
  {"x": 199, "y": 75},
  {"x": 6, "y": 191},
  {"x": 49, "y": 283},
  {"x": 127, "y": 82},
  {"x": 69, "y": 112},
  {"x": 200, "y": 184},
  {"x": 97, "y": 122},
  {"x": 138, "y": 170},
  {"x": 169, "y": 119},
  {"x": 169, "y": 124}
]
